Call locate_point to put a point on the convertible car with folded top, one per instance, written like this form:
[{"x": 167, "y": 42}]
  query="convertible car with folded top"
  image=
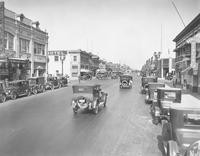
[
  {"x": 126, "y": 81},
  {"x": 88, "y": 97}
]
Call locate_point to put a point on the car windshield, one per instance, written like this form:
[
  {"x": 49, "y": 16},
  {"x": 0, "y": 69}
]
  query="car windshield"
[
  {"x": 169, "y": 96},
  {"x": 192, "y": 119},
  {"x": 82, "y": 89}
]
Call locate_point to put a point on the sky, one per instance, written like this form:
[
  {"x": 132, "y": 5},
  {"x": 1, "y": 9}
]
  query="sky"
[{"x": 121, "y": 31}]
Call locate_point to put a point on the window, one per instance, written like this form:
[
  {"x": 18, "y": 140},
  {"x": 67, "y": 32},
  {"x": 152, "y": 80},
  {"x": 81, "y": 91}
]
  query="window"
[
  {"x": 24, "y": 45},
  {"x": 9, "y": 41},
  {"x": 56, "y": 58},
  {"x": 39, "y": 49},
  {"x": 192, "y": 119},
  {"x": 74, "y": 67},
  {"x": 75, "y": 58}
]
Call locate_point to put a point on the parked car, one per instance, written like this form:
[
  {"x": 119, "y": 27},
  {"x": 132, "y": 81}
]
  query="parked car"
[
  {"x": 2, "y": 91},
  {"x": 165, "y": 98},
  {"x": 102, "y": 75},
  {"x": 18, "y": 88},
  {"x": 182, "y": 132},
  {"x": 89, "y": 97},
  {"x": 151, "y": 93},
  {"x": 114, "y": 75},
  {"x": 145, "y": 81},
  {"x": 86, "y": 76},
  {"x": 63, "y": 80},
  {"x": 52, "y": 83},
  {"x": 126, "y": 81},
  {"x": 37, "y": 84}
]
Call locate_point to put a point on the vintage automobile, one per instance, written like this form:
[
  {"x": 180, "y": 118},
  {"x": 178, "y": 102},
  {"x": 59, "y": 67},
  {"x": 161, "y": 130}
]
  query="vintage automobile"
[
  {"x": 63, "y": 81},
  {"x": 126, "y": 81},
  {"x": 182, "y": 132},
  {"x": 89, "y": 97},
  {"x": 103, "y": 74},
  {"x": 52, "y": 83},
  {"x": 2, "y": 91},
  {"x": 114, "y": 75},
  {"x": 86, "y": 76},
  {"x": 18, "y": 88},
  {"x": 37, "y": 84},
  {"x": 151, "y": 93},
  {"x": 145, "y": 81},
  {"x": 165, "y": 98}
]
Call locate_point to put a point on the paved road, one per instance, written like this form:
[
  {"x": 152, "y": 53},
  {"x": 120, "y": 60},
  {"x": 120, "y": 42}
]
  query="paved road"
[{"x": 44, "y": 125}]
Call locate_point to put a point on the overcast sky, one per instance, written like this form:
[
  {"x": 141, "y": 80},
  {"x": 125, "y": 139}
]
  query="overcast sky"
[{"x": 125, "y": 31}]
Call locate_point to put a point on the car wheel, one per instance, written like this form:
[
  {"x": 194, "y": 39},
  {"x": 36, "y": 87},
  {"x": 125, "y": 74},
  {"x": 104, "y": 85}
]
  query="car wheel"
[
  {"x": 75, "y": 111},
  {"x": 35, "y": 91},
  {"x": 13, "y": 96},
  {"x": 28, "y": 93},
  {"x": 3, "y": 98},
  {"x": 166, "y": 132},
  {"x": 105, "y": 102}
]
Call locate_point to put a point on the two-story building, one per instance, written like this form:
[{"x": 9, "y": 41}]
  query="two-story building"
[
  {"x": 188, "y": 55},
  {"x": 23, "y": 46},
  {"x": 58, "y": 63}
]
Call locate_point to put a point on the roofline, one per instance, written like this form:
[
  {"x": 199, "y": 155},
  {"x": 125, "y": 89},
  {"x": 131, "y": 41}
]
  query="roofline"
[{"x": 187, "y": 28}]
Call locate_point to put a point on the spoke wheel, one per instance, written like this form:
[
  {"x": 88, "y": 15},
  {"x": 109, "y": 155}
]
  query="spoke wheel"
[
  {"x": 13, "y": 96},
  {"x": 3, "y": 98}
]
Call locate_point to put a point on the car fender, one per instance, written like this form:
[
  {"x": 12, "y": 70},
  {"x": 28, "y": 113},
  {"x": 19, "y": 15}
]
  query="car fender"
[{"x": 173, "y": 149}]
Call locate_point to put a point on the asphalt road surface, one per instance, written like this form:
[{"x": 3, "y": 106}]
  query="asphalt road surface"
[{"x": 44, "y": 125}]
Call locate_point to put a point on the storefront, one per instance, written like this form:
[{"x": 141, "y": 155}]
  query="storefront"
[
  {"x": 14, "y": 69},
  {"x": 39, "y": 69}
]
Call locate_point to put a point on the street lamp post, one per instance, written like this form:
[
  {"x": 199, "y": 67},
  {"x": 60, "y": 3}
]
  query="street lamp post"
[{"x": 62, "y": 58}]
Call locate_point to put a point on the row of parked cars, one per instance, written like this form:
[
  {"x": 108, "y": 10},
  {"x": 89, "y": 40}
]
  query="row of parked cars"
[
  {"x": 177, "y": 113},
  {"x": 33, "y": 85}
]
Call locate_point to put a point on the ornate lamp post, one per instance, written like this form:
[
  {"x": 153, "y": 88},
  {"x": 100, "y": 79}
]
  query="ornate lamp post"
[{"x": 62, "y": 58}]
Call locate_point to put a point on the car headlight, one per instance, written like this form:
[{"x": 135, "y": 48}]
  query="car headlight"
[
  {"x": 157, "y": 113},
  {"x": 73, "y": 103}
]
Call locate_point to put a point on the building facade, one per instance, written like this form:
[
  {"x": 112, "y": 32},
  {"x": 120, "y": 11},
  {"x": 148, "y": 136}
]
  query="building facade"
[
  {"x": 23, "y": 46},
  {"x": 188, "y": 55},
  {"x": 58, "y": 63},
  {"x": 165, "y": 66}
]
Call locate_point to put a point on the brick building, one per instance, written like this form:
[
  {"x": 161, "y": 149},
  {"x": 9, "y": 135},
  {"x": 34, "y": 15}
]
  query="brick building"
[
  {"x": 23, "y": 46},
  {"x": 188, "y": 55}
]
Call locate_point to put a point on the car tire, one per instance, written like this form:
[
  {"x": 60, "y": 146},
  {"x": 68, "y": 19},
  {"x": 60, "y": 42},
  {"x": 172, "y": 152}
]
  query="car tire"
[
  {"x": 29, "y": 93},
  {"x": 75, "y": 111},
  {"x": 35, "y": 91},
  {"x": 3, "y": 98},
  {"x": 13, "y": 96},
  {"x": 104, "y": 104},
  {"x": 166, "y": 134}
]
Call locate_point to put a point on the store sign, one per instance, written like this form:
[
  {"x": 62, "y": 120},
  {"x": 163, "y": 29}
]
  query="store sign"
[
  {"x": 41, "y": 59},
  {"x": 2, "y": 27}
]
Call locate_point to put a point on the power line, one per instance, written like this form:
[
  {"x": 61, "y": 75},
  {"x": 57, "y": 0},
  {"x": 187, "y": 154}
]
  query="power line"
[{"x": 178, "y": 12}]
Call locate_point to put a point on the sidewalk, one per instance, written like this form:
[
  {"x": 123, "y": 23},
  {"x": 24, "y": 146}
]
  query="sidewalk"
[{"x": 170, "y": 84}]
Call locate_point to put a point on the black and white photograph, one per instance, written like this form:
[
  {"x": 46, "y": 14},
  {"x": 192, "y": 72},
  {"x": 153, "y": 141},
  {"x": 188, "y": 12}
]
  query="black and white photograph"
[{"x": 99, "y": 77}]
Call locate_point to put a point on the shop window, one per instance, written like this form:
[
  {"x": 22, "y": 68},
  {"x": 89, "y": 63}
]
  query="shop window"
[
  {"x": 74, "y": 67},
  {"x": 74, "y": 74},
  {"x": 56, "y": 58},
  {"x": 24, "y": 45},
  {"x": 75, "y": 58},
  {"x": 9, "y": 41},
  {"x": 39, "y": 49}
]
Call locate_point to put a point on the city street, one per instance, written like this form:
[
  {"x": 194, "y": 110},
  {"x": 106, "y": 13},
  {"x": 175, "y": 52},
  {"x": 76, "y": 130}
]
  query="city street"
[{"x": 44, "y": 125}]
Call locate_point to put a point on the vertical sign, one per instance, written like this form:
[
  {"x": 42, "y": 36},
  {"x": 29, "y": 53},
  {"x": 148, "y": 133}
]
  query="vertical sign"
[{"x": 2, "y": 28}]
